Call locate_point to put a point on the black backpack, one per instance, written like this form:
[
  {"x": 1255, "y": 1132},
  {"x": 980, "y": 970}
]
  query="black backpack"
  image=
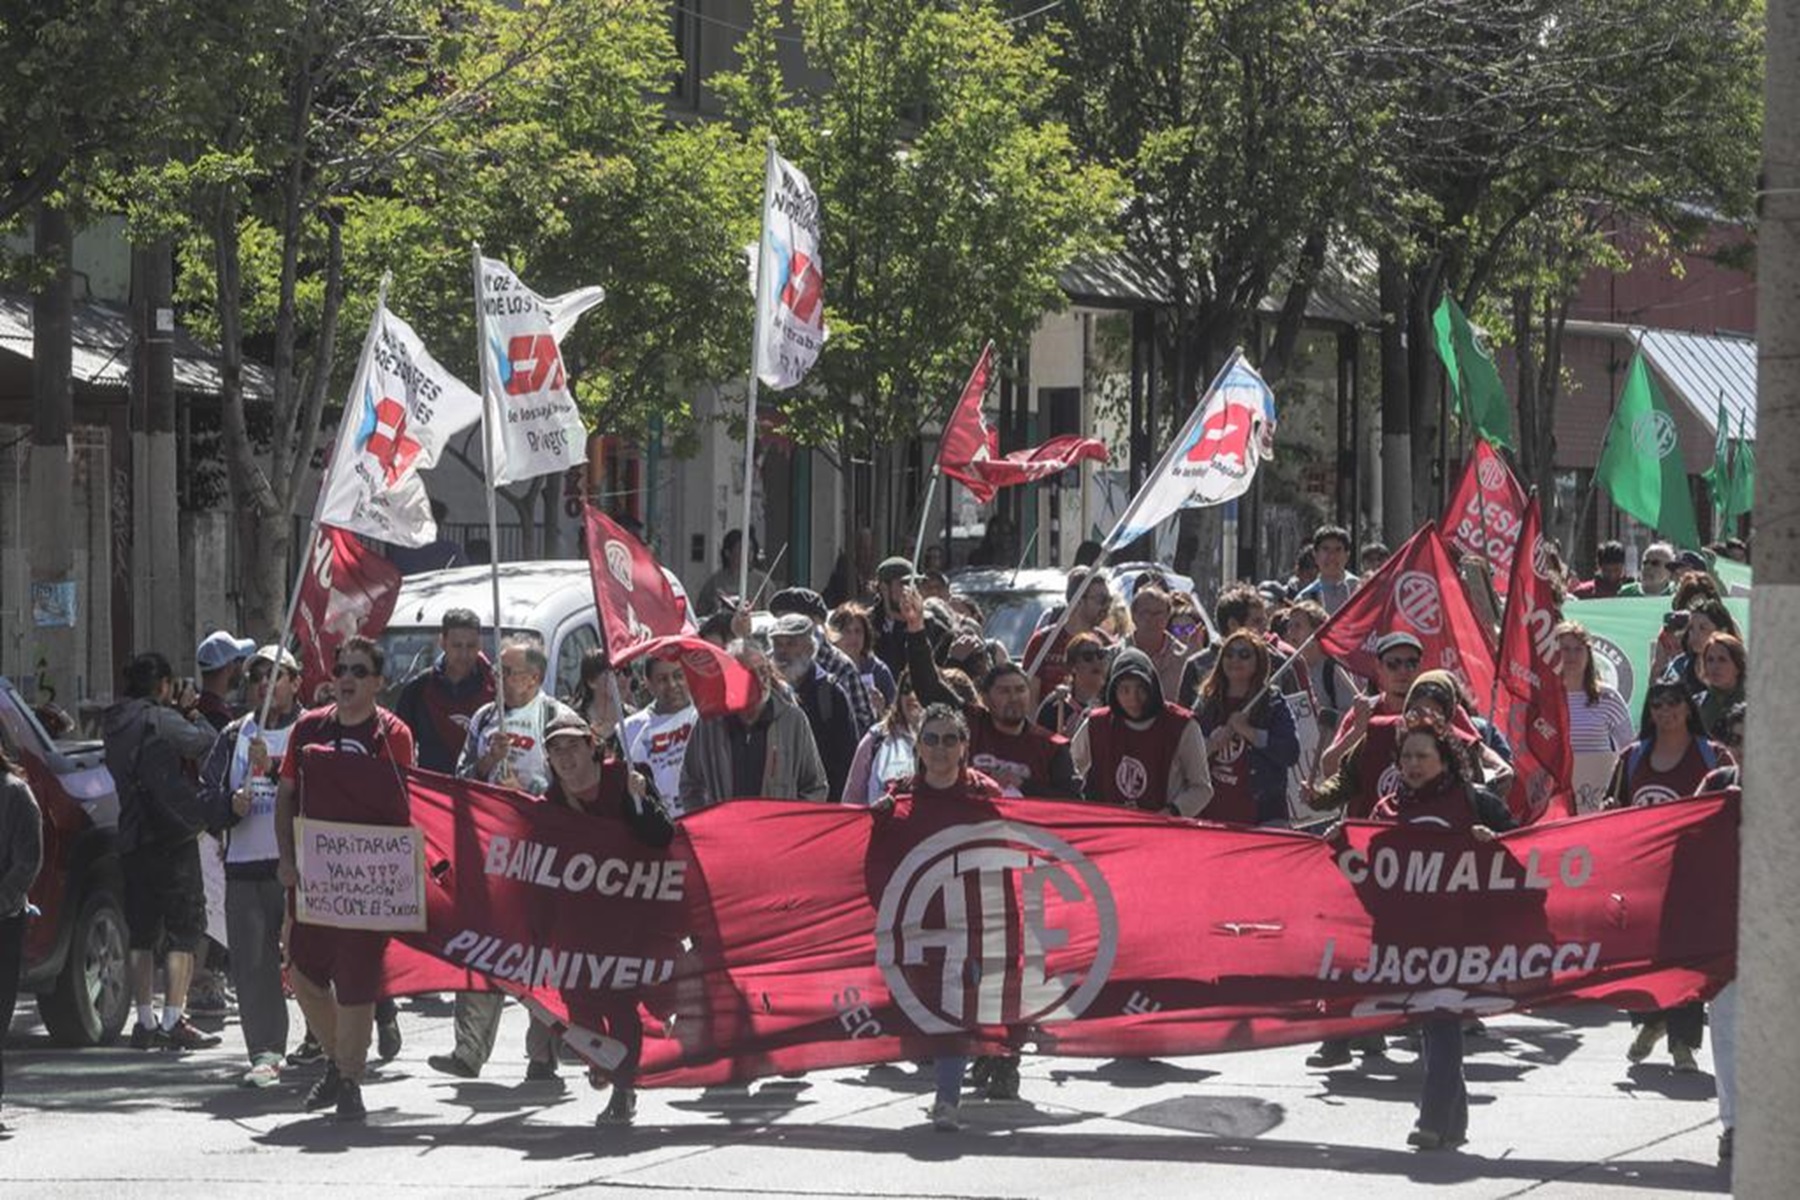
[{"x": 164, "y": 806}]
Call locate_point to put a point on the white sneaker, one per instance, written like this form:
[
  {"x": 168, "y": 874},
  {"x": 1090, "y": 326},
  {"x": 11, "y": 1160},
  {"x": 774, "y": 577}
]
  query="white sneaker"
[
  {"x": 264, "y": 1072},
  {"x": 945, "y": 1118}
]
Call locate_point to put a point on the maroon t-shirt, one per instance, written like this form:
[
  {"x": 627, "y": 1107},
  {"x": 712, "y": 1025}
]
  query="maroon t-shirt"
[
  {"x": 1028, "y": 754},
  {"x": 1232, "y": 798},
  {"x": 1647, "y": 785},
  {"x": 1131, "y": 766}
]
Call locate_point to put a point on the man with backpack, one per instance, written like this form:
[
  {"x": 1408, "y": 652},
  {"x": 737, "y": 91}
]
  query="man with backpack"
[{"x": 154, "y": 738}]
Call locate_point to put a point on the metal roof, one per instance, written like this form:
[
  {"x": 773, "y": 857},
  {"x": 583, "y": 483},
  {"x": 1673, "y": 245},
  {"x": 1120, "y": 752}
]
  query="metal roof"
[
  {"x": 1705, "y": 370},
  {"x": 1345, "y": 293},
  {"x": 102, "y": 339}
]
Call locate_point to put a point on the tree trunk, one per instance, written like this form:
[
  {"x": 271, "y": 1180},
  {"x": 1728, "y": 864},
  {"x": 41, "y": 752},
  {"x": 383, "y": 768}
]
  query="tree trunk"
[
  {"x": 1767, "y": 1157},
  {"x": 1289, "y": 325},
  {"x": 52, "y": 642},
  {"x": 1425, "y": 384},
  {"x": 1396, "y": 410}
]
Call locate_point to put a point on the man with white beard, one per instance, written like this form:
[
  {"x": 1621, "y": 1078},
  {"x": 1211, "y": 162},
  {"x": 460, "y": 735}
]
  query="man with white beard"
[
  {"x": 794, "y": 653},
  {"x": 656, "y": 738},
  {"x": 506, "y": 746}
]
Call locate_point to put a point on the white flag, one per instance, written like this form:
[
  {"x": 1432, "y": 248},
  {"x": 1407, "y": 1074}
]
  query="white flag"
[
  {"x": 536, "y": 428},
  {"x": 1215, "y": 456},
  {"x": 402, "y": 410},
  {"x": 791, "y": 309}
]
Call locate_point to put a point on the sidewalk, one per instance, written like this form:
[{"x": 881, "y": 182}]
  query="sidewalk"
[{"x": 1555, "y": 1111}]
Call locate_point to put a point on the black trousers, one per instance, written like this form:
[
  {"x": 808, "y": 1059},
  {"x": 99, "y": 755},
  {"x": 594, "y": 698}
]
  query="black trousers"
[
  {"x": 12, "y": 960},
  {"x": 1444, "y": 1104},
  {"x": 1686, "y": 1022}
]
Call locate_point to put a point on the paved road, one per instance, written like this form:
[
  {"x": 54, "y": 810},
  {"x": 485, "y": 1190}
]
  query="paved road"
[{"x": 1556, "y": 1112}]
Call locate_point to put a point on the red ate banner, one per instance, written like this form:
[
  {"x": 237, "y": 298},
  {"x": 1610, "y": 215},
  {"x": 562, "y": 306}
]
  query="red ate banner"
[
  {"x": 1486, "y": 512},
  {"x": 1416, "y": 591},
  {"x": 778, "y": 936},
  {"x": 347, "y": 589},
  {"x": 1531, "y": 706}
]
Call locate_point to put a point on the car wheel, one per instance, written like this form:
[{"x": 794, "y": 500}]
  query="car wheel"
[{"x": 92, "y": 996}]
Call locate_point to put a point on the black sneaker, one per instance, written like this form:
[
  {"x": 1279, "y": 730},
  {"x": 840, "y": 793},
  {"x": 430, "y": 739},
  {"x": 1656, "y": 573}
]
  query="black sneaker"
[
  {"x": 1335, "y": 1053},
  {"x": 541, "y": 1071},
  {"x": 187, "y": 1036},
  {"x": 621, "y": 1109},
  {"x": 1003, "y": 1080},
  {"x": 148, "y": 1037},
  {"x": 387, "y": 1039},
  {"x": 350, "y": 1103},
  {"x": 325, "y": 1090},
  {"x": 308, "y": 1051},
  {"x": 449, "y": 1064}
]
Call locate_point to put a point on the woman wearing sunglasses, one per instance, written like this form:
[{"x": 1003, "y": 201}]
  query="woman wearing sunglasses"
[
  {"x": 1251, "y": 743},
  {"x": 1670, "y": 759},
  {"x": 944, "y": 777}
]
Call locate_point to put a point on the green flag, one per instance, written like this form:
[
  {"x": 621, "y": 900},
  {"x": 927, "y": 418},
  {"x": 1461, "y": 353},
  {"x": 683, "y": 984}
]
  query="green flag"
[
  {"x": 1718, "y": 476},
  {"x": 1741, "y": 495},
  {"x": 1641, "y": 468},
  {"x": 1473, "y": 376}
]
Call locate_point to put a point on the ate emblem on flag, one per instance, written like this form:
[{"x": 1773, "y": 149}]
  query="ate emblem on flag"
[
  {"x": 804, "y": 288},
  {"x": 383, "y": 436},
  {"x": 530, "y": 363},
  {"x": 1223, "y": 435}
]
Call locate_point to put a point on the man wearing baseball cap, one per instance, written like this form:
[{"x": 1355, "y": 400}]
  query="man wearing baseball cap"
[
  {"x": 834, "y": 662},
  {"x": 238, "y": 783},
  {"x": 893, "y": 578},
  {"x": 220, "y": 660},
  {"x": 584, "y": 780},
  {"x": 793, "y": 649}
]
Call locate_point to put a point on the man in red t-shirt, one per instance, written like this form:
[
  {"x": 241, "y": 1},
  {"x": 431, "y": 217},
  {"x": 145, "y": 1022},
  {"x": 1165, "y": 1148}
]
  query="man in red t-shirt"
[
  {"x": 1084, "y": 617},
  {"x": 337, "y": 972}
]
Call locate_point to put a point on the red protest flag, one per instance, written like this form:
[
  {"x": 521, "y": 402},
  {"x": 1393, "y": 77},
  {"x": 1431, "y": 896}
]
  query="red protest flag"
[
  {"x": 719, "y": 683},
  {"x": 1532, "y": 708},
  {"x": 970, "y": 450},
  {"x": 347, "y": 590},
  {"x": 1417, "y": 591},
  {"x": 633, "y": 595},
  {"x": 1486, "y": 511}
]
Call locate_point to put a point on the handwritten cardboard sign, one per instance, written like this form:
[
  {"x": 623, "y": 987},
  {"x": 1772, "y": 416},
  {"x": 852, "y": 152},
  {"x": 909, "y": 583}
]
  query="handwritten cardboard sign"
[{"x": 360, "y": 876}]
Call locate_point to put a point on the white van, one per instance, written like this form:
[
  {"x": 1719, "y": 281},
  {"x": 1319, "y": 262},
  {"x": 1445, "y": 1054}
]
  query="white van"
[{"x": 553, "y": 599}]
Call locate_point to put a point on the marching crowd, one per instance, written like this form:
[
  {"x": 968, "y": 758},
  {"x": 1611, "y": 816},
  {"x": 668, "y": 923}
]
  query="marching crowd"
[{"x": 1124, "y": 696}]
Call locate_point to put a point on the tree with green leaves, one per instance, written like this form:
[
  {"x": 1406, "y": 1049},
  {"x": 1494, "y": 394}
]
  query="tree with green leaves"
[{"x": 951, "y": 193}]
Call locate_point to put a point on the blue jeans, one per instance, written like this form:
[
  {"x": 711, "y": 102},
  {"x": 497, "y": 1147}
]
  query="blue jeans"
[
  {"x": 950, "y": 1078},
  {"x": 1444, "y": 1104}
]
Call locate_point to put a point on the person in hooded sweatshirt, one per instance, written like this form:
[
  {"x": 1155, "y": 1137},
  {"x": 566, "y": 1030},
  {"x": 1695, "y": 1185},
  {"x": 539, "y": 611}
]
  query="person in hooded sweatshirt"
[{"x": 1139, "y": 750}]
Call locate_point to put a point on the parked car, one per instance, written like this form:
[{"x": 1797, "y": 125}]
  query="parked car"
[
  {"x": 1016, "y": 601},
  {"x": 75, "y": 953}
]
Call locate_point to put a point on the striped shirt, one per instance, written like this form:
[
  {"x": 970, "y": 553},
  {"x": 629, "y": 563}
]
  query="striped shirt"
[{"x": 1604, "y": 726}]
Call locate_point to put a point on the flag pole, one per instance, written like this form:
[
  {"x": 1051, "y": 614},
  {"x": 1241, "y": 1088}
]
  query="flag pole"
[
  {"x": 756, "y": 342},
  {"x": 1124, "y": 520},
  {"x": 312, "y": 526},
  {"x": 925, "y": 512},
  {"x": 490, "y": 429}
]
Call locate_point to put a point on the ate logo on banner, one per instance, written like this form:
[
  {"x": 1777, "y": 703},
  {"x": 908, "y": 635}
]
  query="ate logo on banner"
[
  {"x": 383, "y": 435},
  {"x": 1416, "y": 594},
  {"x": 1492, "y": 474},
  {"x": 1654, "y": 435},
  {"x": 529, "y": 364},
  {"x": 950, "y": 950}
]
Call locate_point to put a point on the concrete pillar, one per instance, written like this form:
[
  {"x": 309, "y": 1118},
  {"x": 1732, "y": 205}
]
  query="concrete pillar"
[{"x": 1768, "y": 1052}]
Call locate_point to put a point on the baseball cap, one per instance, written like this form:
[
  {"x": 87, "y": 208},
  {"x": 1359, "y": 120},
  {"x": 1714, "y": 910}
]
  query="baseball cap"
[
  {"x": 894, "y": 570},
  {"x": 1690, "y": 560},
  {"x": 568, "y": 724},
  {"x": 280, "y": 657},
  {"x": 793, "y": 625},
  {"x": 800, "y": 600},
  {"x": 1397, "y": 641},
  {"x": 220, "y": 649}
]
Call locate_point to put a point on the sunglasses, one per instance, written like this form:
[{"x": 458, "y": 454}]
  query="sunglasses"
[
  {"x": 952, "y": 738},
  {"x": 1667, "y": 702},
  {"x": 1400, "y": 664},
  {"x": 1247, "y": 652},
  {"x": 359, "y": 670},
  {"x": 1183, "y": 628}
]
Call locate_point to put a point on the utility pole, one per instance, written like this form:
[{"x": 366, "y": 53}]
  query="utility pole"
[
  {"x": 1767, "y": 1159},
  {"x": 57, "y": 603},
  {"x": 157, "y": 589}
]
